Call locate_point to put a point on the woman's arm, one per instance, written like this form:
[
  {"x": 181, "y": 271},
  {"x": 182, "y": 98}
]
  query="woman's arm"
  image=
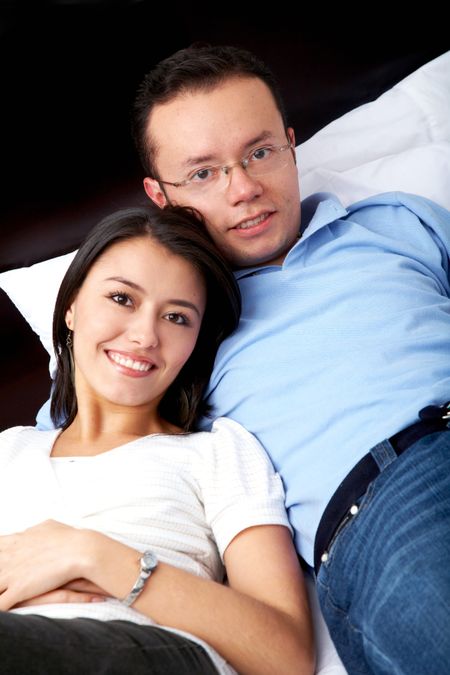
[{"x": 260, "y": 624}]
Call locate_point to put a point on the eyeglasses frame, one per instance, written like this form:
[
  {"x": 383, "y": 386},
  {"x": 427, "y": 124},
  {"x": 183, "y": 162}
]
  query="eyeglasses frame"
[{"x": 226, "y": 168}]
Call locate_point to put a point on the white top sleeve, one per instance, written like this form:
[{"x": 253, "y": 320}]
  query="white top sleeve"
[{"x": 238, "y": 484}]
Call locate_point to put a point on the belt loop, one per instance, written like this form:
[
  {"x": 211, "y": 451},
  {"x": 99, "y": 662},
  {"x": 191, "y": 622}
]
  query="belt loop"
[{"x": 383, "y": 454}]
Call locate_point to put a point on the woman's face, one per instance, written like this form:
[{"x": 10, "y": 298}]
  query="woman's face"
[{"x": 135, "y": 323}]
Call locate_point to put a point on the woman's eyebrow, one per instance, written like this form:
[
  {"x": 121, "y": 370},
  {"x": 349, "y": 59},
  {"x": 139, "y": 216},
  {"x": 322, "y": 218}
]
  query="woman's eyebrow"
[
  {"x": 127, "y": 282},
  {"x": 184, "y": 303},
  {"x": 174, "y": 301}
]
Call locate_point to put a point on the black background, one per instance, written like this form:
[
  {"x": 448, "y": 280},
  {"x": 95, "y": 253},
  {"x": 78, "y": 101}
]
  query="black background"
[{"x": 69, "y": 71}]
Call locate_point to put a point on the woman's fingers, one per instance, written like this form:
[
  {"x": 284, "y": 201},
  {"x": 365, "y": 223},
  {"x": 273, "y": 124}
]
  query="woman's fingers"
[
  {"x": 84, "y": 586},
  {"x": 61, "y": 596}
]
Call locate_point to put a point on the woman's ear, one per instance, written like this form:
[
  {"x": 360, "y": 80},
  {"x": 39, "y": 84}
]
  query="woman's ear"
[{"x": 70, "y": 316}]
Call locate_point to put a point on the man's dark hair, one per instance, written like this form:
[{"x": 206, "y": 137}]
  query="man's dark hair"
[
  {"x": 199, "y": 67},
  {"x": 182, "y": 232}
]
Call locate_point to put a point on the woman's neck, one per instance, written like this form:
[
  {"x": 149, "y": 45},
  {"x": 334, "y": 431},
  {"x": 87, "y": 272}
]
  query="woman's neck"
[{"x": 99, "y": 428}]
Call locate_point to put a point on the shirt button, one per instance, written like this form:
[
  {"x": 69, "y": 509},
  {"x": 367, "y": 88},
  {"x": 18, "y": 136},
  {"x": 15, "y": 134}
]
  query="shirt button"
[{"x": 354, "y": 510}]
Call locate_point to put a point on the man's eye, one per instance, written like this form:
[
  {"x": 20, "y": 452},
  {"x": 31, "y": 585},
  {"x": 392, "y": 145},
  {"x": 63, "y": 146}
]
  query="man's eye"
[
  {"x": 203, "y": 175},
  {"x": 261, "y": 153},
  {"x": 175, "y": 317},
  {"x": 121, "y": 299}
]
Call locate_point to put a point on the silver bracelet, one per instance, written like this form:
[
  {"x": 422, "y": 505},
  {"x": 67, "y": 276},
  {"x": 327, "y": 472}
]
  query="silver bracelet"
[{"x": 148, "y": 564}]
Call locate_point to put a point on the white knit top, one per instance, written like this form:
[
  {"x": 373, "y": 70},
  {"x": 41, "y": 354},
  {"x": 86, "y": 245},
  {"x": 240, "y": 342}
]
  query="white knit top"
[{"x": 183, "y": 496}]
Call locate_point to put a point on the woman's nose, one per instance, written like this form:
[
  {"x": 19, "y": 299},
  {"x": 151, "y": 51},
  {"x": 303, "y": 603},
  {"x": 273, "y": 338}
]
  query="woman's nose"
[{"x": 143, "y": 331}]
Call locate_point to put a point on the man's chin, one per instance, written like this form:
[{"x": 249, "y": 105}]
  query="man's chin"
[{"x": 240, "y": 260}]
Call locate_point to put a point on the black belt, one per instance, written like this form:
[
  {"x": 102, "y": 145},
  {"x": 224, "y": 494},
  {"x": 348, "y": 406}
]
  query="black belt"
[{"x": 342, "y": 505}]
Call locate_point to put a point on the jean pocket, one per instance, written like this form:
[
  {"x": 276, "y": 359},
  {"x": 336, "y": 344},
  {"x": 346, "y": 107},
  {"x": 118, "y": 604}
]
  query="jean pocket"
[{"x": 347, "y": 522}]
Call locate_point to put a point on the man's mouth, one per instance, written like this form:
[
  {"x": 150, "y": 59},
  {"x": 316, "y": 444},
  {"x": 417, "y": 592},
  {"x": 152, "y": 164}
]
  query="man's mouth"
[
  {"x": 252, "y": 222},
  {"x": 127, "y": 362}
]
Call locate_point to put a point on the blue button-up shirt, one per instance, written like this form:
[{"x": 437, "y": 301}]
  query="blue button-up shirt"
[{"x": 342, "y": 345}]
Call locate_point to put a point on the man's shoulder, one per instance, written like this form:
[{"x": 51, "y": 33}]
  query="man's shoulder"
[
  {"x": 421, "y": 206},
  {"x": 406, "y": 214},
  {"x": 322, "y": 209}
]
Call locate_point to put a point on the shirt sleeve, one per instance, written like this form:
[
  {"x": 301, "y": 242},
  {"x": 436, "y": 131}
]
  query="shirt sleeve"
[
  {"x": 435, "y": 219},
  {"x": 420, "y": 224},
  {"x": 238, "y": 484}
]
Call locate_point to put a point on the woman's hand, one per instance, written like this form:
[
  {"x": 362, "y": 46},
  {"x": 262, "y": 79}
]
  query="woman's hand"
[
  {"x": 62, "y": 596},
  {"x": 38, "y": 560},
  {"x": 80, "y": 590},
  {"x": 51, "y": 561}
]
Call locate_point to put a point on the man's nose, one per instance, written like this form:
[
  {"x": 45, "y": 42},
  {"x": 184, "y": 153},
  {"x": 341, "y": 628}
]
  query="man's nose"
[{"x": 241, "y": 186}]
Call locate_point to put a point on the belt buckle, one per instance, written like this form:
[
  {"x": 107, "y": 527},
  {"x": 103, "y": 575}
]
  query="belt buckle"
[{"x": 436, "y": 413}]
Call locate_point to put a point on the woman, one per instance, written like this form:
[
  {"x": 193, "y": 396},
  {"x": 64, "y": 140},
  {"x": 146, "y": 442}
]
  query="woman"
[{"x": 125, "y": 509}]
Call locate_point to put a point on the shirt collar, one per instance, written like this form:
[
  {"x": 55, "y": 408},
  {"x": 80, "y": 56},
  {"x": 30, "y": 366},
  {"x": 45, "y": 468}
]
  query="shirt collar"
[{"x": 318, "y": 210}]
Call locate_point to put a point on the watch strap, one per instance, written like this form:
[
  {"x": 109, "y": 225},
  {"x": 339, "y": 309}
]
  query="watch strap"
[{"x": 148, "y": 563}]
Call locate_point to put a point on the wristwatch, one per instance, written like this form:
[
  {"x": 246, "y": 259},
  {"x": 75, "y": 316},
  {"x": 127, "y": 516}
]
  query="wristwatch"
[{"x": 148, "y": 564}]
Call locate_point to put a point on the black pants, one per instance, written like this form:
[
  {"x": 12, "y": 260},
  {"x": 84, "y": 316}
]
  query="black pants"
[{"x": 37, "y": 645}]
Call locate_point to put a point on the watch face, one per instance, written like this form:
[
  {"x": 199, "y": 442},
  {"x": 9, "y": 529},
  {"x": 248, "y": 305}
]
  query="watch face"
[{"x": 148, "y": 561}]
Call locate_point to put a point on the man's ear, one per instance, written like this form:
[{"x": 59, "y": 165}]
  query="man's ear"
[
  {"x": 154, "y": 191},
  {"x": 291, "y": 137}
]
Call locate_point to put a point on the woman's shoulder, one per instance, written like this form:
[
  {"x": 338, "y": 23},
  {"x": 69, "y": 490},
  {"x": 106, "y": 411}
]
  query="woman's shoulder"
[
  {"x": 230, "y": 429},
  {"x": 23, "y": 435},
  {"x": 230, "y": 438},
  {"x": 13, "y": 432}
]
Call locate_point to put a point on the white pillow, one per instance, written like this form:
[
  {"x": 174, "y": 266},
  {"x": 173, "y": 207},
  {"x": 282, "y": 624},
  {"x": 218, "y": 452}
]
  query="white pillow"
[
  {"x": 401, "y": 141},
  {"x": 33, "y": 290}
]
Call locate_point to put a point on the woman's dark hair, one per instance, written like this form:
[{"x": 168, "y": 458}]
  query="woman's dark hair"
[
  {"x": 182, "y": 232},
  {"x": 200, "y": 67}
]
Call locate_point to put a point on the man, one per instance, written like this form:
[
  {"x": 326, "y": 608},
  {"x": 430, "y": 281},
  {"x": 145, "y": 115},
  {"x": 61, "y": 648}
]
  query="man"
[{"x": 344, "y": 338}]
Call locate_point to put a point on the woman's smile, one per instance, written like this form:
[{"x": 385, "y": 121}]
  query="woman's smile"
[
  {"x": 130, "y": 365},
  {"x": 135, "y": 323}
]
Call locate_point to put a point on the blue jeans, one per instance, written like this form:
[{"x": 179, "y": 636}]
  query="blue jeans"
[
  {"x": 385, "y": 588},
  {"x": 37, "y": 645}
]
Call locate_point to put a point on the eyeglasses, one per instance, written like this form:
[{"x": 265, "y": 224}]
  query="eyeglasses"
[{"x": 257, "y": 162}]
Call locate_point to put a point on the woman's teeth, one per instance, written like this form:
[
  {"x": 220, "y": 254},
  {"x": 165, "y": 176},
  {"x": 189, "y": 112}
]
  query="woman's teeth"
[{"x": 129, "y": 363}]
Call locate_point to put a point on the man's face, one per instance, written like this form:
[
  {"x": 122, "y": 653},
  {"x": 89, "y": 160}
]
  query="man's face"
[{"x": 253, "y": 220}]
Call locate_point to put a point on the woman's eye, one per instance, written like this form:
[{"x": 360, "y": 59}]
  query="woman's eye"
[
  {"x": 121, "y": 299},
  {"x": 203, "y": 175},
  {"x": 175, "y": 317},
  {"x": 261, "y": 153}
]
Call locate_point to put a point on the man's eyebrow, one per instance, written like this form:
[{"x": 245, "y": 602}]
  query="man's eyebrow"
[
  {"x": 260, "y": 138},
  {"x": 174, "y": 301},
  {"x": 212, "y": 159}
]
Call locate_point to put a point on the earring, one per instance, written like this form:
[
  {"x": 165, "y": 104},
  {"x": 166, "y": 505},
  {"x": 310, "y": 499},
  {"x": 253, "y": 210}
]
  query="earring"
[{"x": 69, "y": 345}]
